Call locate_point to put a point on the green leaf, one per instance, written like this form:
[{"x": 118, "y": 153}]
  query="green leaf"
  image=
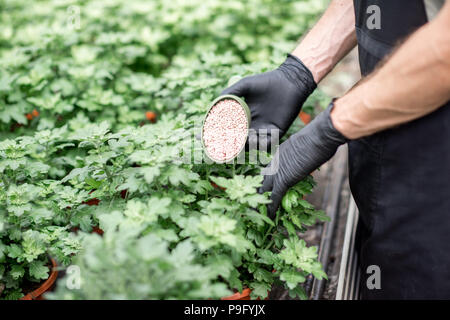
[
  {"x": 93, "y": 183},
  {"x": 297, "y": 254},
  {"x": 17, "y": 271},
  {"x": 243, "y": 189},
  {"x": 289, "y": 226},
  {"x": 267, "y": 257},
  {"x": 260, "y": 289},
  {"x": 286, "y": 204},
  {"x": 256, "y": 199},
  {"x": 14, "y": 251},
  {"x": 305, "y": 204},
  {"x": 158, "y": 206},
  {"x": 258, "y": 218},
  {"x": 38, "y": 270},
  {"x": 150, "y": 173},
  {"x": 166, "y": 234},
  {"x": 14, "y": 294},
  {"x": 110, "y": 221},
  {"x": 299, "y": 292},
  {"x": 234, "y": 281},
  {"x": 261, "y": 274},
  {"x": 202, "y": 186},
  {"x": 33, "y": 244},
  {"x": 292, "y": 278},
  {"x": 132, "y": 183},
  {"x": 179, "y": 175},
  {"x": 77, "y": 172}
]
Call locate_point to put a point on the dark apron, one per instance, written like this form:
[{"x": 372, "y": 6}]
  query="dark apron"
[{"x": 400, "y": 179}]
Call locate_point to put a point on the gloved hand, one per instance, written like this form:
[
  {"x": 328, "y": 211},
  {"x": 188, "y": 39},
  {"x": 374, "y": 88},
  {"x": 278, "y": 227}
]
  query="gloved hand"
[
  {"x": 275, "y": 98},
  {"x": 299, "y": 155}
]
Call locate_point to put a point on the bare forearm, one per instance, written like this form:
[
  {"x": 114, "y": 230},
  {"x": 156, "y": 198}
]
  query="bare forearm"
[
  {"x": 329, "y": 40},
  {"x": 414, "y": 82}
]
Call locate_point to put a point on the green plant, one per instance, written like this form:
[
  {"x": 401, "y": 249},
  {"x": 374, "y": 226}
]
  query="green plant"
[
  {"x": 177, "y": 202},
  {"x": 88, "y": 157},
  {"x": 29, "y": 228},
  {"x": 123, "y": 265},
  {"x": 127, "y": 57},
  {"x": 277, "y": 254}
]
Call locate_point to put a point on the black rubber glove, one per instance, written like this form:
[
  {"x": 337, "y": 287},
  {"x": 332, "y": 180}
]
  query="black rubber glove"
[
  {"x": 275, "y": 98},
  {"x": 300, "y": 155}
]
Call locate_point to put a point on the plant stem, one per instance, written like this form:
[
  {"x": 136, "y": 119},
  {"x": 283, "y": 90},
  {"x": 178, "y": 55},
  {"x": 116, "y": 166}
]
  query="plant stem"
[
  {"x": 277, "y": 218},
  {"x": 267, "y": 233},
  {"x": 5, "y": 181},
  {"x": 108, "y": 174},
  {"x": 270, "y": 244},
  {"x": 207, "y": 179}
]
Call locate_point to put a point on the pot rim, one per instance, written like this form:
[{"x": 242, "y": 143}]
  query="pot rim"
[
  {"x": 244, "y": 295},
  {"x": 35, "y": 294}
]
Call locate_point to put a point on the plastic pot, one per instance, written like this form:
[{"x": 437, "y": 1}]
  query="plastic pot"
[
  {"x": 92, "y": 202},
  {"x": 244, "y": 295},
  {"x": 218, "y": 187},
  {"x": 150, "y": 116},
  {"x": 96, "y": 230},
  {"x": 247, "y": 114},
  {"x": 305, "y": 117},
  {"x": 46, "y": 286}
]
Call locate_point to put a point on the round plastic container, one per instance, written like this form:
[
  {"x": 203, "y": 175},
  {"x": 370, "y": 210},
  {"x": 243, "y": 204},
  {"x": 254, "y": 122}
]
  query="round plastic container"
[{"x": 247, "y": 114}]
